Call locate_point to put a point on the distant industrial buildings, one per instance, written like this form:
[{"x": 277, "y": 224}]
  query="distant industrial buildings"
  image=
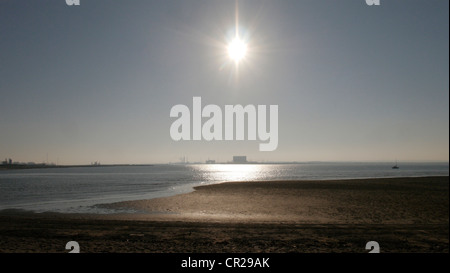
[{"x": 238, "y": 159}]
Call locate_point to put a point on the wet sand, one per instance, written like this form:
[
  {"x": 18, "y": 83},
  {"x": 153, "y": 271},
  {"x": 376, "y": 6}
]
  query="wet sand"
[{"x": 402, "y": 214}]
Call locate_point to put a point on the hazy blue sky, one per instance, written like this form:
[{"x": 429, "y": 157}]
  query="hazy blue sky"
[{"x": 96, "y": 82}]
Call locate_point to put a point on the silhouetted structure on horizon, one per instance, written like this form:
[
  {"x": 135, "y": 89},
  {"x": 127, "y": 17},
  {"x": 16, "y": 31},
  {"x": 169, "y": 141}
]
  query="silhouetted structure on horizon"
[{"x": 239, "y": 159}]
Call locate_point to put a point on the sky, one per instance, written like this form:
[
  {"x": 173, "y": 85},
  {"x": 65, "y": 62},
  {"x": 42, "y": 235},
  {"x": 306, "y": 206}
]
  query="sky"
[{"x": 96, "y": 82}]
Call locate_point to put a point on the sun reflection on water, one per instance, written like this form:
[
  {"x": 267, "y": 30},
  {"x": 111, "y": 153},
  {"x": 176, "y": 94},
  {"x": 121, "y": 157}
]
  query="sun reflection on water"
[{"x": 230, "y": 172}]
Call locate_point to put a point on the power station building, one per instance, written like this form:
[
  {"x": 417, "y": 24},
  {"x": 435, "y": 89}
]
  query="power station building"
[{"x": 239, "y": 159}]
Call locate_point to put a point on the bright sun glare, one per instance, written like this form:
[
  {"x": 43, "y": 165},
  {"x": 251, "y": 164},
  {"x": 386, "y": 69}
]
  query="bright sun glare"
[{"x": 237, "y": 49}]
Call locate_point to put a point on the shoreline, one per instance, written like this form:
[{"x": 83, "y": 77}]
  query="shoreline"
[
  {"x": 108, "y": 208},
  {"x": 303, "y": 201},
  {"x": 402, "y": 214}
]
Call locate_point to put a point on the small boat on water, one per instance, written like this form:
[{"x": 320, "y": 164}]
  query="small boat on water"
[{"x": 395, "y": 166}]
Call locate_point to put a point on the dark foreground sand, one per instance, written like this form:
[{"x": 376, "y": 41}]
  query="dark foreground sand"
[{"x": 401, "y": 214}]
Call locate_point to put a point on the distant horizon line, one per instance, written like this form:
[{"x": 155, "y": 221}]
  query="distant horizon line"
[{"x": 18, "y": 165}]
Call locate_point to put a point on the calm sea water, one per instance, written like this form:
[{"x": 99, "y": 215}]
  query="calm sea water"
[{"x": 80, "y": 189}]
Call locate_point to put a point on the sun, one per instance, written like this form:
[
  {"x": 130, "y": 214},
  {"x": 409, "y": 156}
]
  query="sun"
[{"x": 237, "y": 50}]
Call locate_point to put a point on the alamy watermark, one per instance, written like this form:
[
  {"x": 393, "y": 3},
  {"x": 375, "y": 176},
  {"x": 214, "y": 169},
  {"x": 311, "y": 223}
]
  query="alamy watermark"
[
  {"x": 211, "y": 129},
  {"x": 73, "y": 246},
  {"x": 373, "y": 246}
]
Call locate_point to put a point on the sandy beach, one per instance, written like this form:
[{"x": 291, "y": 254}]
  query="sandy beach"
[{"x": 402, "y": 214}]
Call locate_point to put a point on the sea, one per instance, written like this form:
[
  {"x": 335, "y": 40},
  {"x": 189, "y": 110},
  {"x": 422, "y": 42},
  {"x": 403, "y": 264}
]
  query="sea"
[{"x": 84, "y": 189}]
